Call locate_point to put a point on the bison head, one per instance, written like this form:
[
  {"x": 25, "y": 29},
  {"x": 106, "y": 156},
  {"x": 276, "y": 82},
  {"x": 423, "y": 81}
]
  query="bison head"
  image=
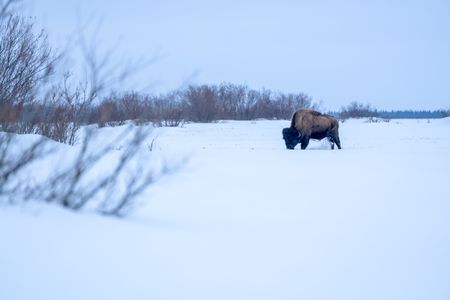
[{"x": 291, "y": 137}]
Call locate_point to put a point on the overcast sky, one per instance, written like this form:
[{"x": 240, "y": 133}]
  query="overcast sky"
[{"x": 391, "y": 54}]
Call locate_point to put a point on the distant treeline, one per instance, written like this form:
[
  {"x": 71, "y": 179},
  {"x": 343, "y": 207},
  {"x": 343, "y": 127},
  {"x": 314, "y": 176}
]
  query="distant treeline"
[
  {"x": 61, "y": 116},
  {"x": 412, "y": 114},
  {"x": 358, "y": 110},
  {"x": 404, "y": 114}
]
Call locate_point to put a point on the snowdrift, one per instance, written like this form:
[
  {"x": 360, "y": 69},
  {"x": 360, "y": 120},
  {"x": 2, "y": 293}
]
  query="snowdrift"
[{"x": 247, "y": 219}]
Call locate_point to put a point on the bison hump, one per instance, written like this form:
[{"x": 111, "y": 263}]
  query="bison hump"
[
  {"x": 315, "y": 113},
  {"x": 307, "y": 111}
]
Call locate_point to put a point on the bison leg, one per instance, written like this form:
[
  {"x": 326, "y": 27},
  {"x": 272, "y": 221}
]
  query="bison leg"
[
  {"x": 304, "y": 142},
  {"x": 338, "y": 142},
  {"x": 330, "y": 139},
  {"x": 334, "y": 138}
]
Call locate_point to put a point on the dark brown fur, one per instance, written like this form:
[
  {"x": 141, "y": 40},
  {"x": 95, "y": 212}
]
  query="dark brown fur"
[{"x": 309, "y": 124}]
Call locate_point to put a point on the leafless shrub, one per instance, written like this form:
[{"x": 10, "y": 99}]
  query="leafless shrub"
[
  {"x": 113, "y": 112},
  {"x": 265, "y": 104},
  {"x": 70, "y": 103},
  {"x": 99, "y": 176},
  {"x": 208, "y": 103},
  {"x": 26, "y": 62},
  {"x": 131, "y": 105},
  {"x": 164, "y": 110},
  {"x": 287, "y": 103},
  {"x": 202, "y": 103},
  {"x": 73, "y": 188},
  {"x": 233, "y": 101},
  {"x": 377, "y": 120},
  {"x": 357, "y": 110},
  {"x": 167, "y": 110},
  {"x": 108, "y": 112},
  {"x": 115, "y": 189},
  {"x": 64, "y": 111}
]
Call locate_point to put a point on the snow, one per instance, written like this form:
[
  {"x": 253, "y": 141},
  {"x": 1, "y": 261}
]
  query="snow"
[{"x": 244, "y": 218}]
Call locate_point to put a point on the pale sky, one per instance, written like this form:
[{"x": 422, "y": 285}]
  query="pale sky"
[{"x": 391, "y": 54}]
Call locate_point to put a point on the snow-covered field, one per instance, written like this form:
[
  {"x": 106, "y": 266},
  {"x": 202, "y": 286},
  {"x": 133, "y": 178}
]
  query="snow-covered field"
[{"x": 244, "y": 218}]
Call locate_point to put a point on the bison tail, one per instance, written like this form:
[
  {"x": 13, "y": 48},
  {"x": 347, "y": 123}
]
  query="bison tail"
[{"x": 293, "y": 120}]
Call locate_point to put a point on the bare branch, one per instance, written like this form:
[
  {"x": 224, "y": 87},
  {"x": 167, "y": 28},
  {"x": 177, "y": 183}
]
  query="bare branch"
[
  {"x": 6, "y": 7},
  {"x": 26, "y": 62},
  {"x": 13, "y": 160}
]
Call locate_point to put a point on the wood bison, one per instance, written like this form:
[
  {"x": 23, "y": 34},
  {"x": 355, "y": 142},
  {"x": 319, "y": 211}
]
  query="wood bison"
[{"x": 309, "y": 124}]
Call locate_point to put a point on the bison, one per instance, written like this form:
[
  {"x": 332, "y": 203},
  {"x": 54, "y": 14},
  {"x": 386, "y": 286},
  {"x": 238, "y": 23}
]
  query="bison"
[{"x": 309, "y": 124}]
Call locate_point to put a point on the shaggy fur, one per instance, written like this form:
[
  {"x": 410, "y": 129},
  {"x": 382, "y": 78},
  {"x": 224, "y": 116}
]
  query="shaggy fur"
[{"x": 309, "y": 124}]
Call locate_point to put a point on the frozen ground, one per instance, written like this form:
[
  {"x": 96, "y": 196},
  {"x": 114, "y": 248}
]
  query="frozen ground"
[{"x": 247, "y": 219}]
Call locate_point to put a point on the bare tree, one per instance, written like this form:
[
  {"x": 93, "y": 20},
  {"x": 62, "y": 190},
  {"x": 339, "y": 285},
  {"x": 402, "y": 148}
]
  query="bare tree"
[
  {"x": 357, "y": 110},
  {"x": 26, "y": 62},
  {"x": 288, "y": 103},
  {"x": 202, "y": 102},
  {"x": 168, "y": 110}
]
